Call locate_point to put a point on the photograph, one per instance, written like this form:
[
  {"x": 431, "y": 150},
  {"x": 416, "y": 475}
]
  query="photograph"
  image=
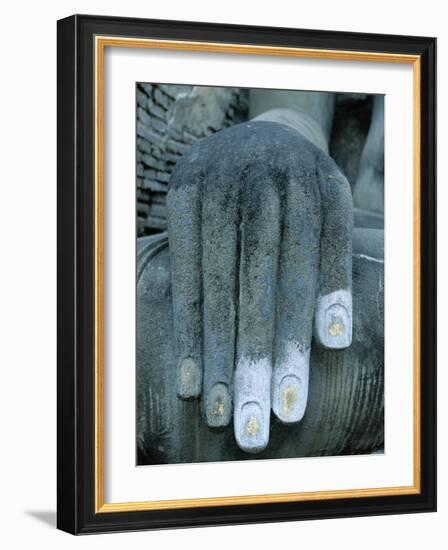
[
  {"x": 221, "y": 299},
  {"x": 260, "y": 273},
  {"x": 246, "y": 299}
]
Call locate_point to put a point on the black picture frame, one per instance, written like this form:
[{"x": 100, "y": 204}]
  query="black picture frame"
[{"x": 76, "y": 255}]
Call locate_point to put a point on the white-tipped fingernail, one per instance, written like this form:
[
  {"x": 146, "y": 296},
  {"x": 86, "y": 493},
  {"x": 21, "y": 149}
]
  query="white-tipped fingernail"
[
  {"x": 290, "y": 383},
  {"x": 189, "y": 379},
  {"x": 218, "y": 406},
  {"x": 333, "y": 319},
  {"x": 337, "y": 325},
  {"x": 253, "y": 433},
  {"x": 252, "y": 409}
]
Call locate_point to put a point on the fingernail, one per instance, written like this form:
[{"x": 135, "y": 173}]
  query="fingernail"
[
  {"x": 252, "y": 408},
  {"x": 218, "y": 406},
  {"x": 252, "y": 433},
  {"x": 288, "y": 406},
  {"x": 337, "y": 327},
  {"x": 189, "y": 379},
  {"x": 290, "y": 383},
  {"x": 333, "y": 319}
]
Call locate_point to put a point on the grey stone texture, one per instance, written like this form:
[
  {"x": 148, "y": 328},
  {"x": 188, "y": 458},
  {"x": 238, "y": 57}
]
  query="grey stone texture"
[
  {"x": 319, "y": 106},
  {"x": 260, "y": 224},
  {"x": 345, "y": 411},
  {"x": 168, "y": 136},
  {"x": 260, "y": 235},
  {"x": 169, "y": 120},
  {"x": 369, "y": 188}
]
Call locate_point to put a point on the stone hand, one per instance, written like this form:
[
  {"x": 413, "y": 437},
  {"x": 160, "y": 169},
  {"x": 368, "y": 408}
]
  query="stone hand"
[{"x": 260, "y": 237}]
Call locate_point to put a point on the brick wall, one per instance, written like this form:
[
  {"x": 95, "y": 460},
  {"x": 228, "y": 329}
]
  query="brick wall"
[{"x": 169, "y": 120}]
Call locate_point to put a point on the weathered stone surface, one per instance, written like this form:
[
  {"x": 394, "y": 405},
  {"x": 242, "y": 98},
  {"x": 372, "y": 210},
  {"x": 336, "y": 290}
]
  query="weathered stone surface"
[
  {"x": 143, "y": 208},
  {"x": 144, "y": 145},
  {"x": 149, "y": 173},
  {"x": 201, "y": 110},
  {"x": 257, "y": 256},
  {"x": 141, "y": 224},
  {"x": 144, "y": 117},
  {"x": 163, "y": 177},
  {"x": 161, "y": 98},
  {"x": 154, "y": 185},
  {"x": 150, "y": 161},
  {"x": 349, "y": 129},
  {"x": 157, "y": 102},
  {"x": 142, "y": 99},
  {"x": 177, "y": 146},
  {"x": 319, "y": 106},
  {"x": 172, "y": 157},
  {"x": 158, "y": 125},
  {"x": 158, "y": 210},
  {"x": 154, "y": 221},
  {"x": 369, "y": 189},
  {"x": 159, "y": 198},
  {"x": 368, "y": 219},
  {"x": 189, "y": 138},
  {"x": 147, "y": 133},
  {"x": 172, "y": 90},
  {"x": 345, "y": 411},
  {"x": 156, "y": 110},
  {"x": 226, "y": 194},
  {"x": 142, "y": 196},
  {"x": 157, "y": 153},
  {"x": 147, "y": 87}
]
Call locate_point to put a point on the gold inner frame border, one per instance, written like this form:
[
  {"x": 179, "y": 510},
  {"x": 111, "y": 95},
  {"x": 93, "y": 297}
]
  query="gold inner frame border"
[{"x": 100, "y": 44}]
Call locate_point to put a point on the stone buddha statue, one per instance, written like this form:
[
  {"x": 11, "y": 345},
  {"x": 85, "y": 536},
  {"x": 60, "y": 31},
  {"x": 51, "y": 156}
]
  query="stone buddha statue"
[{"x": 260, "y": 312}]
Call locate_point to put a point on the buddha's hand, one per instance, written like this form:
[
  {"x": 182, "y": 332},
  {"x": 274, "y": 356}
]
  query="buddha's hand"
[{"x": 260, "y": 236}]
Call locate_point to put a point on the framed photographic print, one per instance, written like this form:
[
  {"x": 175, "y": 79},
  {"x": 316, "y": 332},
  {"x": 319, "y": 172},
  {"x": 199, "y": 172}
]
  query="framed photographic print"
[{"x": 246, "y": 274}]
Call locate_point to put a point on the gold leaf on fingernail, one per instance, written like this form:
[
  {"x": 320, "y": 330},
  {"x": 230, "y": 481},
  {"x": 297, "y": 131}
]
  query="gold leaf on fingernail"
[
  {"x": 252, "y": 426},
  {"x": 336, "y": 329},
  {"x": 218, "y": 409},
  {"x": 289, "y": 399}
]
